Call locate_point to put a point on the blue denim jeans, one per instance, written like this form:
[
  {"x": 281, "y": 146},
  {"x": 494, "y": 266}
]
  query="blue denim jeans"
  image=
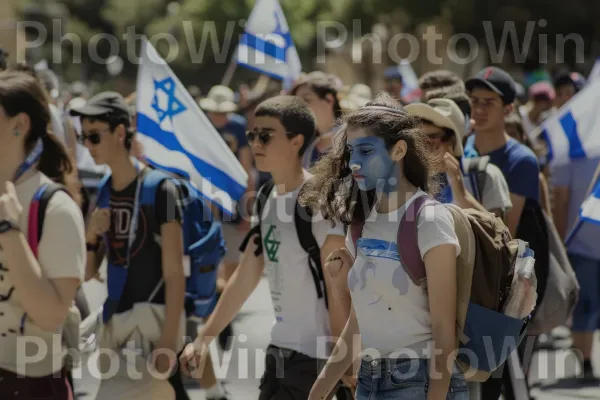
[{"x": 401, "y": 379}]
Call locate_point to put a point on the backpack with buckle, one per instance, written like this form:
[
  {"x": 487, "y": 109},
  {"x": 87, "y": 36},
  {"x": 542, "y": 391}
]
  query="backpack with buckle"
[
  {"x": 202, "y": 239},
  {"x": 303, "y": 222},
  {"x": 484, "y": 268}
]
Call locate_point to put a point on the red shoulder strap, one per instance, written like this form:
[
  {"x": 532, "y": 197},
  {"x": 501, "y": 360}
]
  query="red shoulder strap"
[
  {"x": 32, "y": 225},
  {"x": 408, "y": 240}
]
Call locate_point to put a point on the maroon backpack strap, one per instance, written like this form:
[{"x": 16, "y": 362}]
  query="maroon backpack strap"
[
  {"x": 356, "y": 228},
  {"x": 408, "y": 240}
]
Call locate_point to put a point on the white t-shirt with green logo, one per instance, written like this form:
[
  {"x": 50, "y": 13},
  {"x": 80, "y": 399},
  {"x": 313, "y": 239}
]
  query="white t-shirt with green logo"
[{"x": 301, "y": 318}]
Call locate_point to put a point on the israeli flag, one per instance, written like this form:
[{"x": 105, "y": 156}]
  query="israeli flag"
[
  {"x": 410, "y": 82},
  {"x": 179, "y": 138},
  {"x": 572, "y": 132},
  {"x": 590, "y": 209},
  {"x": 595, "y": 72},
  {"x": 266, "y": 45}
]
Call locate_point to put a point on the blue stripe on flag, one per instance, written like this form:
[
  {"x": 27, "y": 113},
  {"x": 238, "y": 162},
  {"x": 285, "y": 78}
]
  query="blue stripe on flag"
[
  {"x": 546, "y": 137},
  {"x": 263, "y": 46},
  {"x": 569, "y": 125},
  {"x": 183, "y": 173},
  {"x": 217, "y": 177},
  {"x": 262, "y": 71}
]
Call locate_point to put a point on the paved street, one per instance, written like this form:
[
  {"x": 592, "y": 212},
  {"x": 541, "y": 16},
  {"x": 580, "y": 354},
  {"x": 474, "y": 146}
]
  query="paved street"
[{"x": 243, "y": 366}]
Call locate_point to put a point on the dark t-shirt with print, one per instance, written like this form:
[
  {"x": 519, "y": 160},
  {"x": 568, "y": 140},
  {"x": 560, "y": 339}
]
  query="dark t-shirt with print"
[{"x": 145, "y": 271}]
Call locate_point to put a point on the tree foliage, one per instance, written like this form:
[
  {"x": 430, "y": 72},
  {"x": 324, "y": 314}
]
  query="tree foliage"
[{"x": 207, "y": 31}]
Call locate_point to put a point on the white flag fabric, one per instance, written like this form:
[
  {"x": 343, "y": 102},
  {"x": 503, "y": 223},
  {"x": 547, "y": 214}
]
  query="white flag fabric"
[
  {"x": 595, "y": 72},
  {"x": 178, "y": 137},
  {"x": 590, "y": 209},
  {"x": 410, "y": 82},
  {"x": 267, "y": 46},
  {"x": 574, "y": 131}
]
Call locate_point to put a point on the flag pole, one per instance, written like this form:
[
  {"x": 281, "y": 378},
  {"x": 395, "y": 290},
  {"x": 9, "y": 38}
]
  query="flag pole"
[
  {"x": 230, "y": 69},
  {"x": 579, "y": 223}
]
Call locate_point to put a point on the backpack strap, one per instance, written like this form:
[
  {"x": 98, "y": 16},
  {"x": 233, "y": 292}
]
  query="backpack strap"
[
  {"x": 408, "y": 240},
  {"x": 303, "y": 221},
  {"x": 261, "y": 200},
  {"x": 152, "y": 180},
  {"x": 475, "y": 169},
  {"x": 37, "y": 212}
]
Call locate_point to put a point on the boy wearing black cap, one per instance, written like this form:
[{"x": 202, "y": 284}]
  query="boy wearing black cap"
[
  {"x": 137, "y": 259},
  {"x": 492, "y": 92}
]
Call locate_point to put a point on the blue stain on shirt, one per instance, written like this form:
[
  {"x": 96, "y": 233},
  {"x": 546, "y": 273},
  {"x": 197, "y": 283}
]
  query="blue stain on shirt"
[
  {"x": 445, "y": 194},
  {"x": 378, "y": 248}
]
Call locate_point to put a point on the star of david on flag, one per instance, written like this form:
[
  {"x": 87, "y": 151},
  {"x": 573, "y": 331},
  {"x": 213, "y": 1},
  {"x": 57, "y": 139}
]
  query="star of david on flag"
[
  {"x": 178, "y": 137},
  {"x": 267, "y": 46},
  {"x": 173, "y": 107}
]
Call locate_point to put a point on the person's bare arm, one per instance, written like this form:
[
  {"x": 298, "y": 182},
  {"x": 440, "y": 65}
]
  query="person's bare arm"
[
  {"x": 339, "y": 307},
  {"x": 239, "y": 287},
  {"x": 440, "y": 266},
  {"x": 342, "y": 357},
  {"x": 174, "y": 279}
]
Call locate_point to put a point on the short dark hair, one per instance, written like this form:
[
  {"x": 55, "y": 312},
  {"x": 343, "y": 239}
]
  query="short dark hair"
[
  {"x": 439, "y": 79},
  {"x": 293, "y": 113},
  {"x": 453, "y": 93},
  {"x": 322, "y": 84},
  {"x": 113, "y": 121},
  {"x": 22, "y": 93}
]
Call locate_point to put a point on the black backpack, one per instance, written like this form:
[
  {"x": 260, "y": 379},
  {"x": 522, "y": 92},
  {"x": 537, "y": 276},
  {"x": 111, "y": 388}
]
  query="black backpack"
[{"x": 303, "y": 222}]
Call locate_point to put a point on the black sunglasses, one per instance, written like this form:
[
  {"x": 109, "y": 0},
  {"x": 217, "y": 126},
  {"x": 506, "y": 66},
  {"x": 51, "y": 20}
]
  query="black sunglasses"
[
  {"x": 264, "y": 136},
  {"x": 94, "y": 137}
]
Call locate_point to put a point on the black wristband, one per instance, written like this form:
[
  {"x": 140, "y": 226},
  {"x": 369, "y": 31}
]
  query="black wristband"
[
  {"x": 91, "y": 246},
  {"x": 6, "y": 226}
]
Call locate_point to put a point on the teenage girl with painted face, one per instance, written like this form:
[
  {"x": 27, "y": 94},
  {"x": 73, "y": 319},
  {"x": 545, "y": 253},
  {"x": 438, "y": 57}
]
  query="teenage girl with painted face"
[{"x": 378, "y": 168}]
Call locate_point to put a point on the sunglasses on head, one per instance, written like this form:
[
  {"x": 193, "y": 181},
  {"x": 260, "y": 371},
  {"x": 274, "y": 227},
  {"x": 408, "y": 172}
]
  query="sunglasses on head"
[{"x": 263, "y": 136}]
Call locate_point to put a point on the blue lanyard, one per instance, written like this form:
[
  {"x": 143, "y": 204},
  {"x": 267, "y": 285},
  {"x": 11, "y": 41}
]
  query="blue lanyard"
[{"x": 31, "y": 159}]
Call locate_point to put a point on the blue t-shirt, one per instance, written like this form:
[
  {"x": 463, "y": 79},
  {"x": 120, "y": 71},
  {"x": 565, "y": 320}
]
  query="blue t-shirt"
[
  {"x": 518, "y": 164},
  {"x": 234, "y": 133}
]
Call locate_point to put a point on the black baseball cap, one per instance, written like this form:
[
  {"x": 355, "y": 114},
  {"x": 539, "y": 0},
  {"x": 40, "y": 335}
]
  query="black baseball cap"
[
  {"x": 570, "y": 78},
  {"x": 497, "y": 80},
  {"x": 102, "y": 104}
]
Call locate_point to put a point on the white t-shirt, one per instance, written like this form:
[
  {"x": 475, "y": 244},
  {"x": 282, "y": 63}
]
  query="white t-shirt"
[
  {"x": 496, "y": 195},
  {"x": 61, "y": 254},
  {"x": 393, "y": 312},
  {"x": 301, "y": 318}
]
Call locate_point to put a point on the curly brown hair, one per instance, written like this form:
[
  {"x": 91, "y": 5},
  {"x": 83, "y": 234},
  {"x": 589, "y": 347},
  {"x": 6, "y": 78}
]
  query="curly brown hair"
[{"x": 333, "y": 191}]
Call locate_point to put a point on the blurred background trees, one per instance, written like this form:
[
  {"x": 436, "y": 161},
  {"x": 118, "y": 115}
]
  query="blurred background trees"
[{"x": 209, "y": 29}]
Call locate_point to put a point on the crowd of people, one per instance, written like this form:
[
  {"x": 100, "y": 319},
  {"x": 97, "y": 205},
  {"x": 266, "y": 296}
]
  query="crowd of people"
[{"x": 338, "y": 153}]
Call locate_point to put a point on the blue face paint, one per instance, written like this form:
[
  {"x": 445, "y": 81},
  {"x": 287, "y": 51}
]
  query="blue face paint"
[{"x": 371, "y": 164}]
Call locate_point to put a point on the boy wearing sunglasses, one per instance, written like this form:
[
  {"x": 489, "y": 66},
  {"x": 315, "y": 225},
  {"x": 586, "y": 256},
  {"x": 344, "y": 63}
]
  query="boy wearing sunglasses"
[
  {"x": 284, "y": 126},
  {"x": 143, "y": 244}
]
